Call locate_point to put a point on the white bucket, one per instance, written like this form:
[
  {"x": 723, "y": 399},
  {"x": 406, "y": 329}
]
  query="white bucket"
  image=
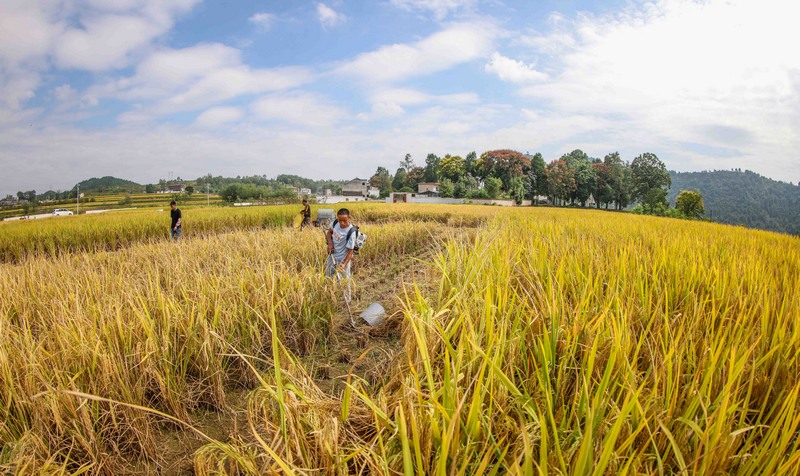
[{"x": 374, "y": 314}]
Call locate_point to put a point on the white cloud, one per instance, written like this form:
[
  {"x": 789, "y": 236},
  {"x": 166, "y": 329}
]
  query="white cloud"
[
  {"x": 26, "y": 31},
  {"x": 413, "y": 97},
  {"x": 96, "y": 36},
  {"x": 456, "y": 44},
  {"x": 678, "y": 72},
  {"x": 217, "y": 116},
  {"x": 263, "y": 20},
  {"x": 194, "y": 78},
  {"x": 402, "y": 96},
  {"x": 26, "y": 36},
  {"x": 17, "y": 86},
  {"x": 299, "y": 108},
  {"x": 329, "y": 17},
  {"x": 382, "y": 110},
  {"x": 65, "y": 92},
  {"x": 392, "y": 102},
  {"x": 227, "y": 83},
  {"x": 439, "y": 8},
  {"x": 170, "y": 69},
  {"x": 106, "y": 40},
  {"x": 513, "y": 71}
]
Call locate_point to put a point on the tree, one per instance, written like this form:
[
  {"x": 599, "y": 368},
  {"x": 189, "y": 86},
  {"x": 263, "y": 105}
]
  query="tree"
[
  {"x": 585, "y": 181},
  {"x": 690, "y": 204},
  {"x": 484, "y": 167},
  {"x": 537, "y": 178},
  {"x": 560, "y": 180},
  {"x": 407, "y": 163},
  {"x": 603, "y": 192},
  {"x": 493, "y": 187},
  {"x": 446, "y": 188},
  {"x": 399, "y": 180},
  {"x": 517, "y": 190},
  {"x": 575, "y": 157},
  {"x": 28, "y": 207},
  {"x": 451, "y": 167},
  {"x": 577, "y": 162},
  {"x": 414, "y": 177},
  {"x": 189, "y": 190},
  {"x": 655, "y": 202},
  {"x": 649, "y": 173},
  {"x": 465, "y": 186},
  {"x": 620, "y": 179},
  {"x": 504, "y": 164},
  {"x": 149, "y": 188},
  {"x": 231, "y": 192},
  {"x": 382, "y": 180},
  {"x": 479, "y": 194},
  {"x": 432, "y": 168},
  {"x": 378, "y": 176},
  {"x": 469, "y": 163}
]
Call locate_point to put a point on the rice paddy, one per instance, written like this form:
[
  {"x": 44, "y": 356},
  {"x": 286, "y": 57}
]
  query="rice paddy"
[{"x": 519, "y": 341}]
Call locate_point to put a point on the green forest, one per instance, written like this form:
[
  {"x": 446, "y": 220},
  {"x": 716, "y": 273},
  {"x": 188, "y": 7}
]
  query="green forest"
[{"x": 743, "y": 198}]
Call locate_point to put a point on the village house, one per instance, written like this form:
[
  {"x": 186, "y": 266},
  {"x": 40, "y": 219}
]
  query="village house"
[
  {"x": 428, "y": 188},
  {"x": 356, "y": 188},
  {"x": 9, "y": 201}
]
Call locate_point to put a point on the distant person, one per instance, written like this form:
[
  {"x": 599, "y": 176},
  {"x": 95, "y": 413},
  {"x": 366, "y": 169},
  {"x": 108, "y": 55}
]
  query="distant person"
[
  {"x": 341, "y": 242},
  {"x": 306, "y": 211},
  {"x": 175, "y": 213}
]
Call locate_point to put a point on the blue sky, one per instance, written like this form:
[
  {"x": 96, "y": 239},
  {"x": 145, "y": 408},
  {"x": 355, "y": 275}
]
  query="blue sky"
[{"x": 333, "y": 89}]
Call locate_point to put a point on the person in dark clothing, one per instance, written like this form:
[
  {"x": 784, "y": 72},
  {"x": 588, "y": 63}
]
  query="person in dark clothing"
[
  {"x": 175, "y": 228},
  {"x": 306, "y": 211}
]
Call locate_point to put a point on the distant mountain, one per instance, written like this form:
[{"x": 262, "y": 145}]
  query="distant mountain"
[
  {"x": 109, "y": 184},
  {"x": 743, "y": 198}
]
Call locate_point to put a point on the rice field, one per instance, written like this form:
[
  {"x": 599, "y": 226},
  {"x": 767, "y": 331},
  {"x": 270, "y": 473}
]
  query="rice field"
[
  {"x": 107, "y": 201},
  {"x": 519, "y": 341}
]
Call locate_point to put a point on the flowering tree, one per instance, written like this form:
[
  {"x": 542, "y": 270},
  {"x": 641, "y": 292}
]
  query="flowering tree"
[{"x": 504, "y": 164}]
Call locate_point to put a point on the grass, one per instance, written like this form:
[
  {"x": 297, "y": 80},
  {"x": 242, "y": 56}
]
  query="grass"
[{"x": 548, "y": 342}]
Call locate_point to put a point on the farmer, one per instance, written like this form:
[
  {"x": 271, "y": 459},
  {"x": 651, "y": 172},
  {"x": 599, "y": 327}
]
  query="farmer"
[
  {"x": 340, "y": 246},
  {"x": 306, "y": 211},
  {"x": 175, "y": 228}
]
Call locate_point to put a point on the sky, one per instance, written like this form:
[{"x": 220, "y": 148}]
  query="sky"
[{"x": 148, "y": 89}]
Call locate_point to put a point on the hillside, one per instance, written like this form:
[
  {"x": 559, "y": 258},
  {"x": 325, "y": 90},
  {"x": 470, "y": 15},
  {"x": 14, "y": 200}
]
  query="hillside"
[
  {"x": 109, "y": 184},
  {"x": 743, "y": 198}
]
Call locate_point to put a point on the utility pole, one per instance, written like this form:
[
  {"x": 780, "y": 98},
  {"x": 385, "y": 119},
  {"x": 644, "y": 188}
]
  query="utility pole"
[
  {"x": 208, "y": 199},
  {"x": 78, "y": 200}
]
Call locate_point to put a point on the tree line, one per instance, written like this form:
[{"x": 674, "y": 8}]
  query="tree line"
[
  {"x": 573, "y": 179},
  {"x": 261, "y": 188}
]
